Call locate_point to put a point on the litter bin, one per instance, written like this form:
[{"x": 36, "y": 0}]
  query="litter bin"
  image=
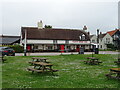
[
  {"x": 81, "y": 51},
  {"x": 96, "y": 51}
]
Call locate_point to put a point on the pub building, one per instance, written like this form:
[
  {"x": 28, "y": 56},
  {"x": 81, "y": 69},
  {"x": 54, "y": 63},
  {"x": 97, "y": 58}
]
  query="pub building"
[{"x": 39, "y": 39}]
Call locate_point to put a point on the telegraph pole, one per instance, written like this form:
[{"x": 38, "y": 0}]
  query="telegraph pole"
[
  {"x": 97, "y": 47},
  {"x": 25, "y": 40}
]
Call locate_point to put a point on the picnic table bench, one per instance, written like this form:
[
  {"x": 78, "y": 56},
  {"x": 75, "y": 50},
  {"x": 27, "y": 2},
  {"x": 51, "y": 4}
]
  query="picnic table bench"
[
  {"x": 2, "y": 59},
  {"x": 114, "y": 73},
  {"x": 92, "y": 61},
  {"x": 42, "y": 67},
  {"x": 117, "y": 62},
  {"x": 39, "y": 59}
]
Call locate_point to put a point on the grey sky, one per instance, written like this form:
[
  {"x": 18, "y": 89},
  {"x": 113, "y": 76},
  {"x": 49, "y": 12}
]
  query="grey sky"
[{"x": 72, "y": 14}]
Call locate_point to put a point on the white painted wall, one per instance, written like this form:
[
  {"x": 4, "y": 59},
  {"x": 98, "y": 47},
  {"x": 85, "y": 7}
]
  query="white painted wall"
[
  {"x": 79, "y": 42},
  {"x": 39, "y": 41},
  {"x": 103, "y": 41},
  {"x": 60, "y": 41}
]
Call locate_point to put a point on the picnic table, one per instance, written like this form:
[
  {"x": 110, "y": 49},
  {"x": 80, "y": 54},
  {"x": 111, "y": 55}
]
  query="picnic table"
[
  {"x": 2, "y": 58},
  {"x": 117, "y": 62},
  {"x": 42, "y": 67},
  {"x": 92, "y": 61},
  {"x": 39, "y": 59},
  {"x": 114, "y": 73}
]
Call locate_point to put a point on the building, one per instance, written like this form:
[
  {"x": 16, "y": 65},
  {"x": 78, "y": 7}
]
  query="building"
[
  {"x": 9, "y": 40},
  {"x": 104, "y": 40},
  {"x": 93, "y": 40},
  {"x": 114, "y": 34},
  {"x": 52, "y": 39}
]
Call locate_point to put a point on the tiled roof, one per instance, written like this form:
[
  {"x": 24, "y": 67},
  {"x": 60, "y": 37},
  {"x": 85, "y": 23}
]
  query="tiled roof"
[
  {"x": 112, "y": 32},
  {"x": 53, "y": 34},
  {"x": 9, "y": 39}
]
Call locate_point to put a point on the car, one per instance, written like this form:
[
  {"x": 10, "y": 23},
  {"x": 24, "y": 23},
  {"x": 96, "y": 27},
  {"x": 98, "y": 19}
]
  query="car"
[{"x": 7, "y": 51}]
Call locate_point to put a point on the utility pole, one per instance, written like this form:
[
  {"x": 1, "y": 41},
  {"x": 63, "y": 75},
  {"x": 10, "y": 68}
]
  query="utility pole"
[
  {"x": 25, "y": 41},
  {"x": 98, "y": 38},
  {"x": 97, "y": 47}
]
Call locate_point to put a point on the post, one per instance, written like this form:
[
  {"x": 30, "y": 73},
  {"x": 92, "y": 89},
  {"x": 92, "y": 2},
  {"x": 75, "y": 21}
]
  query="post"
[
  {"x": 25, "y": 43},
  {"x": 97, "y": 48}
]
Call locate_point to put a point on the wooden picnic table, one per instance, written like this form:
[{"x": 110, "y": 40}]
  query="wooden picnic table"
[
  {"x": 115, "y": 72},
  {"x": 2, "y": 58},
  {"x": 39, "y": 59},
  {"x": 42, "y": 67},
  {"x": 92, "y": 61},
  {"x": 117, "y": 62}
]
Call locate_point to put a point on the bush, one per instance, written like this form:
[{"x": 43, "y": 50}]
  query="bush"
[
  {"x": 17, "y": 48},
  {"x": 111, "y": 47}
]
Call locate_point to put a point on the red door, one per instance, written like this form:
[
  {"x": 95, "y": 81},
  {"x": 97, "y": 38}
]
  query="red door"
[
  {"x": 28, "y": 47},
  {"x": 62, "y": 48},
  {"x": 78, "y": 48}
]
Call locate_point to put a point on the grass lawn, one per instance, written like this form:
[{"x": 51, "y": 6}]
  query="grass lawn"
[{"x": 73, "y": 73}]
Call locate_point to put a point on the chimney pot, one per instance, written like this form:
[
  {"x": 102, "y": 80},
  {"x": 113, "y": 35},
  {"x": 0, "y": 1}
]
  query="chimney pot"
[{"x": 85, "y": 28}]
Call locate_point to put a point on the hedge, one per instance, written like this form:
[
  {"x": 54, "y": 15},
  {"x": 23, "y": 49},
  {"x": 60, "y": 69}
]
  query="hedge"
[{"x": 17, "y": 48}]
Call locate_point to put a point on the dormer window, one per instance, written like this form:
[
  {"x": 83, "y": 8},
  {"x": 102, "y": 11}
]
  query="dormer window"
[{"x": 82, "y": 37}]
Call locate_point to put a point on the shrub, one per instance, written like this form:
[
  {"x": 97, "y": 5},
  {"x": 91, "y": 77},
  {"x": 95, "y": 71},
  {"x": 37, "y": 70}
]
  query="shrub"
[{"x": 17, "y": 48}]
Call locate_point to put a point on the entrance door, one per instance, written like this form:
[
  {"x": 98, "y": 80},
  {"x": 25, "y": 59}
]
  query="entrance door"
[
  {"x": 62, "y": 48},
  {"x": 78, "y": 48}
]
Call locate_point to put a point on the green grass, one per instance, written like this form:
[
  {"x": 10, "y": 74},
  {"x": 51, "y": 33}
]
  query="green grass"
[{"x": 73, "y": 73}]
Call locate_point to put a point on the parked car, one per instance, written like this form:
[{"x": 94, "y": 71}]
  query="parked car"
[{"x": 7, "y": 51}]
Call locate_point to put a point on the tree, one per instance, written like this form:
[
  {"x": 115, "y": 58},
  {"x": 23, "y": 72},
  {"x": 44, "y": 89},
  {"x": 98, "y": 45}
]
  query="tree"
[{"x": 48, "y": 26}]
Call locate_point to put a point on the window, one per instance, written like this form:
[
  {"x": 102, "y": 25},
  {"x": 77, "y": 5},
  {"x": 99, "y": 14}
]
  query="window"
[
  {"x": 107, "y": 40},
  {"x": 54, "y": 41},
  {"x": 93, "y": 41},
  {"x": 49, "y": 47},
  {"x": 67, "y": 41},
  {"x": 82, "y": 37},
  {"x": 35, "y": 47}
]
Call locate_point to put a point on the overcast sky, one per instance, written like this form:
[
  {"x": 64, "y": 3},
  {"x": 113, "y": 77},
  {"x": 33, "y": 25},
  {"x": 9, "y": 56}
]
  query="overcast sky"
[{"x": 73, "y": 14}]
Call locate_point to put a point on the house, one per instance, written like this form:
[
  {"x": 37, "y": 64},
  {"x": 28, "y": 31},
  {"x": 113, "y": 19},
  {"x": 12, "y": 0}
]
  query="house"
[
  {"x": 9, "y": 40},
  {"x": 105, "y": 39},
  {"x": 114, "y": 34},
  {"x": 54, "y": 39},
  {"x": 93, "y": 40}
]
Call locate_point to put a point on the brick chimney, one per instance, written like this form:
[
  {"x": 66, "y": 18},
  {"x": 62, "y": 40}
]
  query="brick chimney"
[
  {"x": 40, "y": 24},
  {"x": 85, "y": 28}
]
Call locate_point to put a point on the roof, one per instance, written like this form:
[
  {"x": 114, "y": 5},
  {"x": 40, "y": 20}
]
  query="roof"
[
  {"x": 112, "y": 32},
  {"x": 92, "y": 36},
  {"x": 102, "y": 35},
  {"x": 53, "y": 34},
  {"x": 9, "y": 39}
]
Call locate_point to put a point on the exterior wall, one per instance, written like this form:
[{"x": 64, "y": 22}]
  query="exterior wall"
[
  {"x": 94, "y": 39},
  {"x": 107, "y": 39},
  {"x": 58, "y": 42},
  {"x": 45, "y": 45},
  {"x": 40, "y": 41}
]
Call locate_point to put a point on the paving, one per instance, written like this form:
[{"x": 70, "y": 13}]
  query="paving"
[{"x": 58, "y": 53}]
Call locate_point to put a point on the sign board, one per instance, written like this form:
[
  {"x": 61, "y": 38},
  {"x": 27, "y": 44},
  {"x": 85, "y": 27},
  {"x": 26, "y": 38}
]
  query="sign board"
[{"x": 79, "y": 42}]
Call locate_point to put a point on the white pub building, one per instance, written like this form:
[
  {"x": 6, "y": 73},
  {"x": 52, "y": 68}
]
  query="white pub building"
[{"x": 52, "y": 39}]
